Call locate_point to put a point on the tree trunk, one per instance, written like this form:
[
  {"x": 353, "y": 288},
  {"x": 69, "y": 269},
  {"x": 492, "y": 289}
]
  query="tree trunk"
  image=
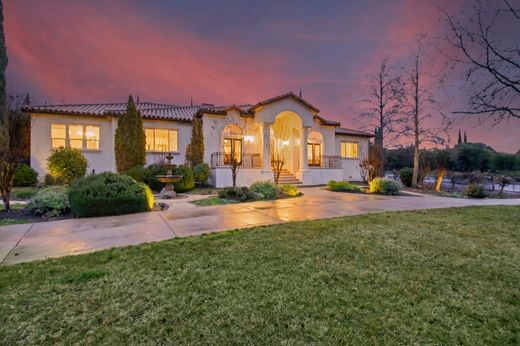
[{"x": 7, "y": 201}]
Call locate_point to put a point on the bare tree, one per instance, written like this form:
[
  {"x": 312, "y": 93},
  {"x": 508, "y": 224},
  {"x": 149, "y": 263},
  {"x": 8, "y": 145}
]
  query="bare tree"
[
  {"x": 491, "y": 65},
  {"x": 279, "y": 151},
  {"x": 384, "y": 102},
  {"x": 421, "y": 111}
]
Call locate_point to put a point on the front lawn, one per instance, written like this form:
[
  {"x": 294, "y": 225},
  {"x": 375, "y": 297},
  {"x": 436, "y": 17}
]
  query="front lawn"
[{"x": 430, "y": 277}]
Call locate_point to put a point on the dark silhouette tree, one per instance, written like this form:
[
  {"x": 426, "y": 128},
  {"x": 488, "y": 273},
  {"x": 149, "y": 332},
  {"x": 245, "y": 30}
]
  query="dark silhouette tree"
[
  {"x": 490, "y": 62},
  {"x": 465, "y": 138},
  {"x": 459, "y": 139},
  {"x": 384, "y": 102},
  {"x": 130, "y": 140}
]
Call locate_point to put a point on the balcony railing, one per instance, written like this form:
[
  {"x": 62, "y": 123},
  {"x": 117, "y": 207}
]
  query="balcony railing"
[
  {"x": 220, "y": 159},
  {"x": 325, "y": 161}
]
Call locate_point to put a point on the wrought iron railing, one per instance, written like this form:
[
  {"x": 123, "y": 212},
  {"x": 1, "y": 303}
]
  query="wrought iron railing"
[
  {"x": 220, "y": 159},
  {"x": 325, "y": 161}
]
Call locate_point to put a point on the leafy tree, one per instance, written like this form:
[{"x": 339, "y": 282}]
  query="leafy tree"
[
  {"x": 473, "y": 157},
  {"x": 506, "y": 162},
  {"x": 130, "y": 140},
  {"x": 195, "y": 150}
]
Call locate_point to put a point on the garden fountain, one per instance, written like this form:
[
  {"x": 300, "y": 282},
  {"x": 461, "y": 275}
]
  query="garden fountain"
[{"x": 169, "y": 178}]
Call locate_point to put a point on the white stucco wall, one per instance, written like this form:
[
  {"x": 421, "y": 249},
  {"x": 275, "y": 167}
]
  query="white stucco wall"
[
  {"x": 99, "y": 160},
  {"x": 351, "y": 170}
]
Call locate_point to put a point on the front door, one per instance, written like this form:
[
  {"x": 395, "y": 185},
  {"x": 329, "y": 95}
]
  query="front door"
[{"x": 314, "y": 154}]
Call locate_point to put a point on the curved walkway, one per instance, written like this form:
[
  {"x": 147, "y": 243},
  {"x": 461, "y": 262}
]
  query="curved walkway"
[{"x": 28, "y": 242}]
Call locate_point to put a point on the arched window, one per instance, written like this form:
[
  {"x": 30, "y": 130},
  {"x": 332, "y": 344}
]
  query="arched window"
[
  {"x": 314, "y": 148},
  {"x": 232, "y": 144}
]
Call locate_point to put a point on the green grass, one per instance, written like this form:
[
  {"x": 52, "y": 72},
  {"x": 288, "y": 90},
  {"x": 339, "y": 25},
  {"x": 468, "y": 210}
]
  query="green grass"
[
  {"x": 10, "y": 221},
  {"x": 25, "y": 192},
  {"x": 432, "y": 277},
  {"x": 213, "y": 201}
]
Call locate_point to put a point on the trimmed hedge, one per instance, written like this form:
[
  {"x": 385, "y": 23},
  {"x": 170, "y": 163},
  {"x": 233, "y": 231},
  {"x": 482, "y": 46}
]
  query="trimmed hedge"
[
  {"x": 266, "y": 188},
  {"x": 67, "y": 164},
  {"x": 109, "y": 194},
  {"x": 187, "y": 182},
  {"x": 384, "y": 186},
  {"x": 406, "y": 175},
  {"x": 343, "y": 186},
  {"x": 25, "y": 176},
  {"x": 288, "y": 191}
]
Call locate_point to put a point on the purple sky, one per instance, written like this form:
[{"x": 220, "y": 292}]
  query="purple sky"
[{"x": 220, "y": 52}]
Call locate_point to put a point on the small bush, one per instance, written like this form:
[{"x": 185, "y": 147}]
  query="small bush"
[
  {"x": 343, "y": 186},
  {"x": 151, "y": 180},
  {"x": 188, "y": 178},
  {"x": 241, "y": 194},
  {"x": 109, "y": 194},
  {"x": 25, "y": 176},
  {"x": 266, "y": 188},
  {"x": 202, "y": 173},
  {"x": 406, "y": 175},
  {"x": 384, "y": 186},
  {"x": 288, "y": 191},
  {"x": 66, "y": 165},
  {"x": 474, "y": 190},
  {"x": 50, "y": 202}
]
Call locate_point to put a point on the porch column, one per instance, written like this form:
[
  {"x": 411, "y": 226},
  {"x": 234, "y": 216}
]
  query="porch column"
[
  {"x": 265, "y": 129},
  {"x": 304, "y": 164}
]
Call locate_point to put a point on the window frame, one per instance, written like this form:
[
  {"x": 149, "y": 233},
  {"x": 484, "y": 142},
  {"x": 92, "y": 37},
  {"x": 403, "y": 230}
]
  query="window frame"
[
  {"x": 67, "y": 138},
  {"x": 345, "y": 154},
  {"x": 168, "y": 138},
  {"x": 312, "y": 160},
  {"x": 233, "y": 152}
]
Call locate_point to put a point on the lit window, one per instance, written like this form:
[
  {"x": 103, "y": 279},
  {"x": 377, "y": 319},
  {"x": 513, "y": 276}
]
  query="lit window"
[
  {"x": 349, "y": 150},
  {"x": 314, "y": 154},
  {"x": 75, "y": 136},
  {"x": 92, "y": 137},
  {"x": 161, "y": 140},
  {"x": 232, "y": 151},
  {"x": 58, "y": 136}
]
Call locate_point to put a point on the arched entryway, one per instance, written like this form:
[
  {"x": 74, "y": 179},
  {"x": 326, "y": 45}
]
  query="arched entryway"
[{"x": 286, "y": 141}]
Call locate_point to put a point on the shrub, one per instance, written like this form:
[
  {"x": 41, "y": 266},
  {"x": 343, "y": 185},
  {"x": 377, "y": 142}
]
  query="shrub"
[
  {"x": 146, "y": 176},
  {"x": 384, "y": 186},
  {"x": 67, "y": 164},
  {"x": 289, "y": 191},
  {"x": 188, "y": 178},
  {"x": 474, "y": 190},
  {"x": 266, "y": 188},
  {"x": 406, "y": 174},
  {"x": 109, "y": 194},
  {"x": 25, "y": 176},
  {"x": 202, "y": 173},
  {"x": 151, "y": 180},
  {"x": 343, "y": 186},
  {"x": 50, "y": 202},
  {"x": 241, "y": 194}
]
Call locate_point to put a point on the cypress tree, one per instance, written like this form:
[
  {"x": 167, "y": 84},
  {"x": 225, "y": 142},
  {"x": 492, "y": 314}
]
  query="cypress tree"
[
  {"x": 4, "y": 133},
  {"x": 130, "y": 140},
  {"x": 459, "y": 140},
  {"x": 465, "y": 138},
  {"x": 195, "y": 150}
]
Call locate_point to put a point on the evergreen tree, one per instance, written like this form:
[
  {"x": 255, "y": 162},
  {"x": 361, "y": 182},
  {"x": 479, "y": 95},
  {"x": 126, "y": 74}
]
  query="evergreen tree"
[
  {"x": 459, "y": 140},
  {"x": 4, "y": 132},
  {"x": 195, "y": 150},
  {"x": 465, "y": 138},
  {"x": 130, "y": 140}
]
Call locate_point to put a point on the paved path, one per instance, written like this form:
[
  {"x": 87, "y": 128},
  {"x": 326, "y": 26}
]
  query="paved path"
[{"x": 28, "y": 242}]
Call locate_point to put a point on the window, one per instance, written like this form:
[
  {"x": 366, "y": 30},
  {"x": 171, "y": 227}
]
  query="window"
[
  {"x": 161, "y": 140},
  {"x": 349, "y": 150},
  {"x": 75, "y": 136},
  {"x": 314, "y": 154},
  {"x": 232, "y": 149}
]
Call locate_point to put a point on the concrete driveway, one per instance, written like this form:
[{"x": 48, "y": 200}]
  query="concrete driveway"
[{"x": 28, "y": 242}]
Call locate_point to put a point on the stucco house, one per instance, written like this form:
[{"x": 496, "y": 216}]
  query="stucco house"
[{"x": 315, "y": 150}]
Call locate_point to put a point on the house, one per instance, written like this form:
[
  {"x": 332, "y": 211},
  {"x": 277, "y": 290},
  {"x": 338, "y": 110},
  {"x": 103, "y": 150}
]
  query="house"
[{"x": 287, "y": 127}]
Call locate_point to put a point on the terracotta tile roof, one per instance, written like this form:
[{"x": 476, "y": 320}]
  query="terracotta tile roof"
[
  {"x": 148, "y": 110},
  {"x": 283, "y": 96},
  {"x": 350, "y": 132},
  {"x": 326, "y": 122}
]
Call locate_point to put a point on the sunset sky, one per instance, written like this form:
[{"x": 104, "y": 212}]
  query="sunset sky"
[{"x": 221, "y": 52}]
